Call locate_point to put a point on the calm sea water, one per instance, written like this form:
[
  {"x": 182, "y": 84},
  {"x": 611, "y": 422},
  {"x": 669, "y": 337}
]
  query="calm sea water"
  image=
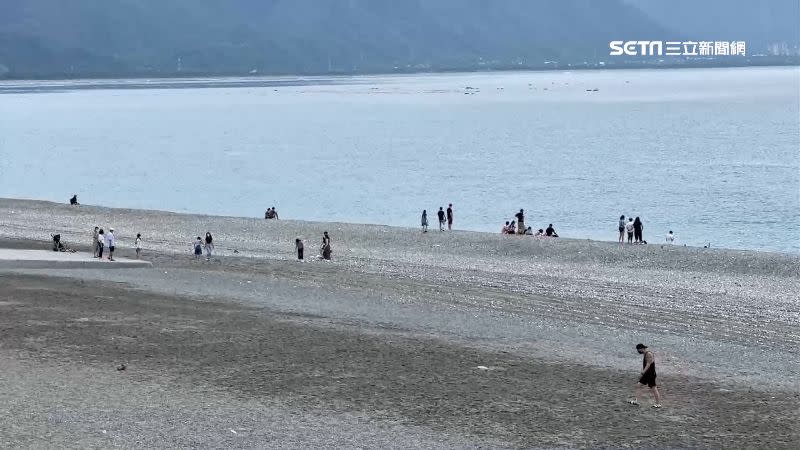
[{"x": 712, "y": 154}]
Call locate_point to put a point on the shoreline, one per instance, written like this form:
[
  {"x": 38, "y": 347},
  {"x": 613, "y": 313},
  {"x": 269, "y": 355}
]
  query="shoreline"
[
  {"x": 98, "y": 209},
  {"x": 788, "y": 61}
]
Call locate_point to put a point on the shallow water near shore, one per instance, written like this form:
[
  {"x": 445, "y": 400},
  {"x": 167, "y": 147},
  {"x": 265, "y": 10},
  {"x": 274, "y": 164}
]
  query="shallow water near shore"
[{"x": 711, "y": 154}]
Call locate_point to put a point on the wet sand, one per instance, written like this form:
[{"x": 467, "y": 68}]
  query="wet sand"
[{"x": 382, "y": 346}]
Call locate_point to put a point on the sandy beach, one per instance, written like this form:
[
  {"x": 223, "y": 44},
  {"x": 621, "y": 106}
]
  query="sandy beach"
[{"x": 404, "y": 340}]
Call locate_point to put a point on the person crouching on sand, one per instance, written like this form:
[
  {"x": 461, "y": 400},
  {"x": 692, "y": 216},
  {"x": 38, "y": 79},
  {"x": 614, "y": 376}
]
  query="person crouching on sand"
[
  {"x": 198, "y": 248},
  {"x": 648, "y": 376},
  {"x": 298, "y": 245}
]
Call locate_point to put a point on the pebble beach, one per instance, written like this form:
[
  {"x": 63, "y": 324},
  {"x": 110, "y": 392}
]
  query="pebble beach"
[{"x": 405, "y": 340}]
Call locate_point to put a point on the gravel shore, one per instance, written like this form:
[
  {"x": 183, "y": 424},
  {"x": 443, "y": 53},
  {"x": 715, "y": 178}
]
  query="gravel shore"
[{"x": 390, "y": 336}]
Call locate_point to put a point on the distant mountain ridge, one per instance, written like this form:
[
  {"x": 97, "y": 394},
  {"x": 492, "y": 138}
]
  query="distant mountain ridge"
[{"x": 168, "y": 37}]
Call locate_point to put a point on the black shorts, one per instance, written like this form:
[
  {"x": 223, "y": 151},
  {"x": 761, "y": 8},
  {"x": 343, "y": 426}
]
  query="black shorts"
[
  {"x": 621, "y": 229},
  {"x": 111, "y": 248},
  {"x": 648, "y": 379}
]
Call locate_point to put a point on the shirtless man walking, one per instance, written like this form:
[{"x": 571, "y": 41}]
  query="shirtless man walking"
[{"x": 648, "y": 376}]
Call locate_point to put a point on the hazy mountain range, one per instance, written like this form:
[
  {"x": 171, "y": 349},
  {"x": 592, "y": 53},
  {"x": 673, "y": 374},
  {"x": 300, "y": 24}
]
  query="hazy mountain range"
[{"x": 167, "y": 37}]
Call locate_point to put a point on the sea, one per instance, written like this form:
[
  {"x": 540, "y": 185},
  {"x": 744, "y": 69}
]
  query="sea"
[{"x": 711, "y": 154}]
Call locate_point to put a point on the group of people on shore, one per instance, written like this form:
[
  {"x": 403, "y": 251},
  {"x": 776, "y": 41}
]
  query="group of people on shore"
[
  {"x": 206, "y": 244},
  {"x": 518, "y": 227},
  {"x": 102, "y": 240},
  {"x": 325, "y": 249},
  {"x": 443, "y": 216},
  {"x": 633, "y": 228},
  {"x": 270, "y": 214}
]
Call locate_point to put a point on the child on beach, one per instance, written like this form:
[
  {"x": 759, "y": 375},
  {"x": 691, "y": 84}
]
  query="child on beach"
[
  {"x": 298, "y": 245},
  {"x": 629, "y": 230},
  {"x": 138, "y": 245},
  {"x": 198, "y": 248},
  {"x": 622, "y": 229}
]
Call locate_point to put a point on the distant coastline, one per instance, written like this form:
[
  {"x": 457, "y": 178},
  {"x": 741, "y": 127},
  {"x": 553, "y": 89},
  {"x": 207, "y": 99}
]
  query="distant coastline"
[{"x": 765, "y": 61}]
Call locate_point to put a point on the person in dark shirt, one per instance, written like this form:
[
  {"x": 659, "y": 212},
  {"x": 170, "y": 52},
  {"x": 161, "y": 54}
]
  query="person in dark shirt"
[
  {"x": 520, "y": 221},
  {"x": 550, "y": 231},
  {"x": 450, "y": 216},
  {"x": 647, "y": 376},
  {"x": 441, "y": 218},
  {"x": 74, "y": 200},
  {"x": 326, "y": 246},
  {"x": 637, "y": 231}
]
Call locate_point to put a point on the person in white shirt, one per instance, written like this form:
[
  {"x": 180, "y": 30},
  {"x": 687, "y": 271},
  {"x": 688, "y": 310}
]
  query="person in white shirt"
[
  {"x": 138, "y": 245},
  {"x": 629, "y": 230},
  {"x": 670, "y": 237},
  {"x": 110, "y": 242}
]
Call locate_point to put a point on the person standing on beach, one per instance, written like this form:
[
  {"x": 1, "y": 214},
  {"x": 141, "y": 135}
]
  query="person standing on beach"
[
  {"x": 198, "y": 248},
  {"x": 441, "y": 218},
  {"x": 94, "y": 241},
  {"x": 520, "y": 221},
  {"x": 298, "y": 245},
  {"x": 138, "y": 245},
  {"x": 209, "y": 245},
  {"x": 326, "y": 246},
  {"x": 622, "y": 229},
  {"x": 424, "y": 221},
  {"x": 637, "y": 230},
  {"x": 647, "y": 376},
  {"x": 111, "y": 242},
  {"x": 100, "y": 243},
  {"x": 450, "y": 217},
  {"x": 670, "y": 237},
  {"x": 629, "y": 230}
]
